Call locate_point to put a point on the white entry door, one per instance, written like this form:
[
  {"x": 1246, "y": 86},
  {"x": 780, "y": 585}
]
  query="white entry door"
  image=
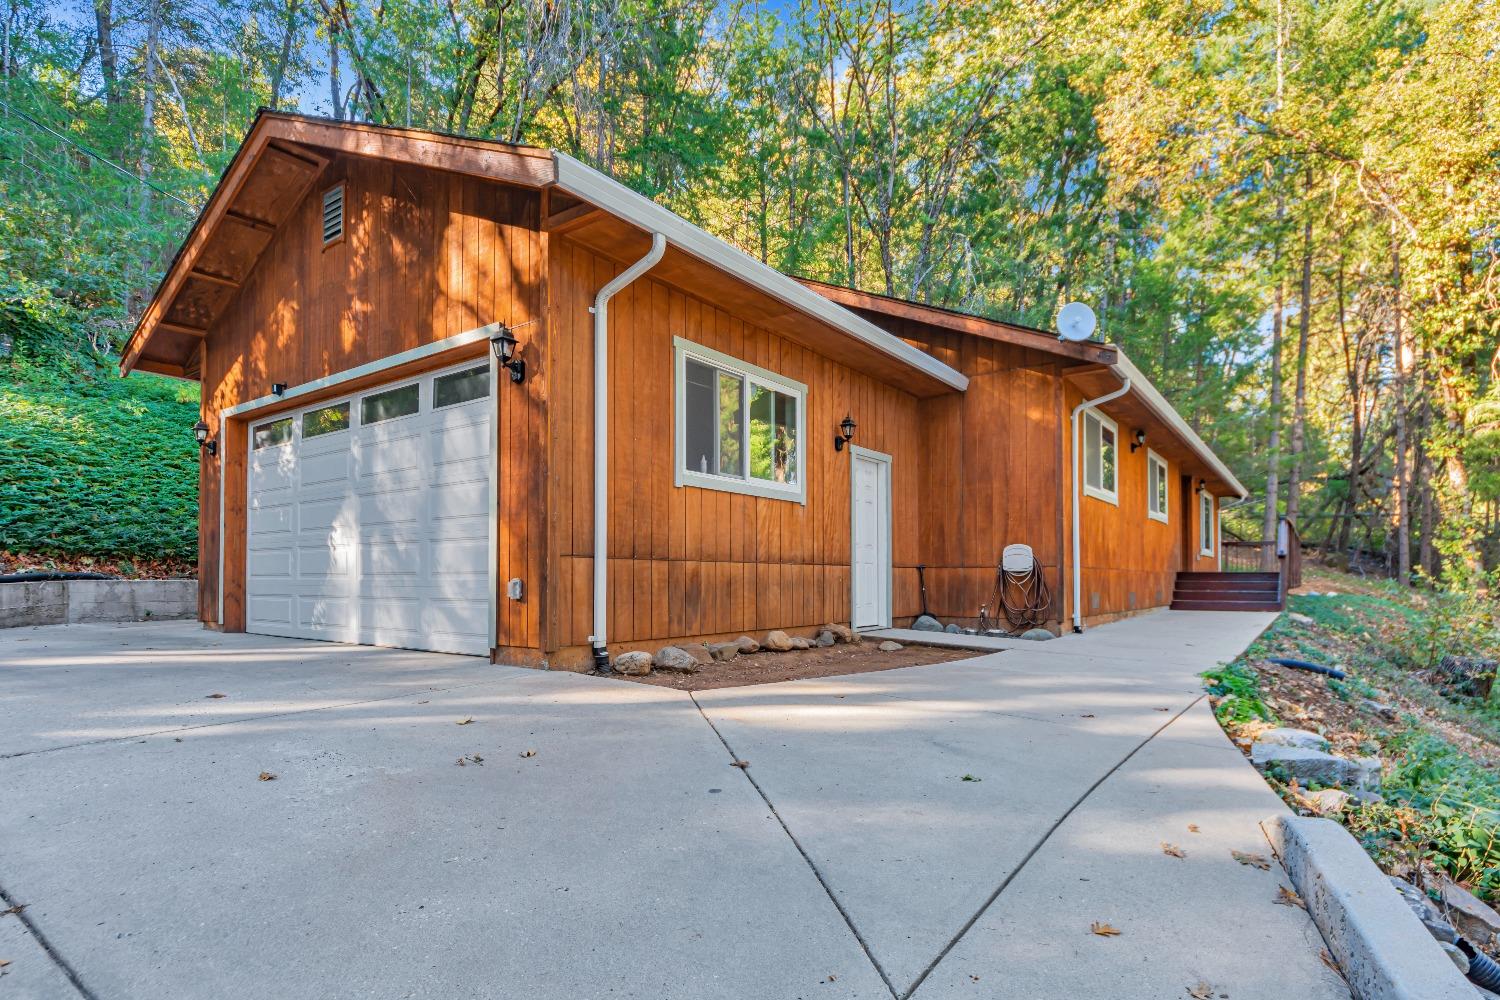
[
  {"x": 369, "y": 517},
  {"x": 870, "y": 538}
]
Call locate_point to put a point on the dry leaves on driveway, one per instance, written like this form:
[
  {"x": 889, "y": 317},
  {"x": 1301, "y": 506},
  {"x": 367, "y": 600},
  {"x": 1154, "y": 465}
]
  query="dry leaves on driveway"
[
  {"x": 528, "y": 753},
  {"x": 267, "y": 776},
  {"x": 1201, "y": 992},
  {"x": 216, "y": 695},
  {"x": 1286, "y": 897},
  {"x": 1172, "y": 850},
  {"x": 464, "y": 722},
  {"x": 1253, "y": 860},
  {"x": 1103, "y": 930}
]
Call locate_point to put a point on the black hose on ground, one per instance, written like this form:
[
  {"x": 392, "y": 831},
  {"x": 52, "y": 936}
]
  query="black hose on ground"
[
  {"x": 1483, "y": 970},
  {"x": 1316, "y": 668},
  {"x": 51, "y": 577}
]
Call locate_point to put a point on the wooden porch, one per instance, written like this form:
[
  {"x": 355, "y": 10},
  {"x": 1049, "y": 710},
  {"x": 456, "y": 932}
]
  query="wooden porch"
[{"x": 1246, "y": 584}]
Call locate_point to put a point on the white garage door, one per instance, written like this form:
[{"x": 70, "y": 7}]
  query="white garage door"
[{"x": 369, "y": 517}]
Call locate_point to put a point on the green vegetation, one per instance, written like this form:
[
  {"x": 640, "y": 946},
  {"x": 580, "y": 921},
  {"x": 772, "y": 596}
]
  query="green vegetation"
[
  {"x": 94, "y": 464},
  {"x": 1439, "y": 742}
]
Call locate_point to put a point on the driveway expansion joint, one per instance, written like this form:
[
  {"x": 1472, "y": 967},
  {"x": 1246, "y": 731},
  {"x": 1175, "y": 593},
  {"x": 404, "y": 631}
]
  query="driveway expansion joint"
[
  {"x": 18, "y": 910},
  {"x": 812, "y": 866}
]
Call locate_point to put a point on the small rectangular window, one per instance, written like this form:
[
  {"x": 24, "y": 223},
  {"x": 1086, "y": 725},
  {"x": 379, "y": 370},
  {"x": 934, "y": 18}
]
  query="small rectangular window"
[
  {"x": 389, "y": 405},
  {"x": 738, "y": 427},
  {"x": 327, "y": 420},
  {"x": 269, "y": 435},
  {"x": 461, "y": 387},
  {"x": 1205, "y": 523},
  {"x": 1099, "y": 457},
  {"x": 333, "y": 214},
  {"x": 1156, "y": 486}
]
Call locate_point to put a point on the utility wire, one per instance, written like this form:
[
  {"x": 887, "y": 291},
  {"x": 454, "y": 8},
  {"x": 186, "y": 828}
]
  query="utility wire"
[{"x": 100, "y": 157}]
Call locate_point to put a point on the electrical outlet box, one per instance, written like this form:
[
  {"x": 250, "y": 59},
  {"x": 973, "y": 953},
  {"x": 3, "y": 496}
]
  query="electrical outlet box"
[{"x": 515, "y": 589}]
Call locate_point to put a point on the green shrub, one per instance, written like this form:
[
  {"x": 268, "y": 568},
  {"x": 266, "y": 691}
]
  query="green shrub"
[
  {"x": 94, "y": 464},
  {"x": 1236, "y": 690}
]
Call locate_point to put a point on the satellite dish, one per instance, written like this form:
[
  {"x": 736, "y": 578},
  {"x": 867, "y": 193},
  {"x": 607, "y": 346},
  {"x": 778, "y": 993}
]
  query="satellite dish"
[{"x": 1075, "y": 321}]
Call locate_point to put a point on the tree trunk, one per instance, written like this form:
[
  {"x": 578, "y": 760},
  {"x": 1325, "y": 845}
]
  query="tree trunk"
[
  {"x": 148, "y": 101},
  {"x": 1273, "y": 443},
  {"x": 1356, "y": 413},
  {"x": 1299, "y": 403},
  {"x": 1400, "y": 488},
  {"x": 335, "y": 89},
  {"x": 104, "y": 23},
  {"x": 284, "y": 57}
]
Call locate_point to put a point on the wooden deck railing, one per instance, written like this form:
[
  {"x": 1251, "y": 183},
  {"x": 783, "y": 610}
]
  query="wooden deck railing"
[{"x": 1285, "y": 553}]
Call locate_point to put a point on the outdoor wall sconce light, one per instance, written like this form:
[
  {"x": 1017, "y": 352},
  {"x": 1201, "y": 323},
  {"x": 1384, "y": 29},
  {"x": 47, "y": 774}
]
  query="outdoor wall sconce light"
[
  {"x": 200, "y": 431},
  {"x": 1137, "y": 440},
  {"x": 504, "y": 344},
  {"x": 278, "y": 388},
  {"x": 845, "y": 434},
  {"x": 1202, "y": 485}
]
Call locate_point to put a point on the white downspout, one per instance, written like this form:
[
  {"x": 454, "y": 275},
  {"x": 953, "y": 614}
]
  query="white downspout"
[
  {"x": 1087, "y": 404},
  {"x": 601, "y": 441}
]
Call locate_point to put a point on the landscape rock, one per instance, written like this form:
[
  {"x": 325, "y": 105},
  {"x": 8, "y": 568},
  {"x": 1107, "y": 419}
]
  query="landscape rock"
[
  {"x": 747, "y": 644},
  {"x": 1380, "y": 708},
  {"x": 1328, "y": 801},
  {"x": 842, "y": 633},
  {"x": 1365, "y": 797},
  {"x": 1284, "y": 737},
  {"x": 1475, "y": 920},
  {"x": 825, "y": 638},
  {"x": 927, "y": 623},
  {"x": 636, "y": 664},
  {"x": 697, "y": 651},
  {"x": 1309, "y": 766},
  {"x": 1299, "y": 618},
  {"x": 1369, "y": 773},
  {"x": 724, "y": 651},
  {"x": 1037, "y": 635},
  {"x": 1459, "y": 958},
  {"x": 798, "y": 642},
  {"x": 777, "y": 641},
  {"x": 889, "y": 647},
  {"x": 676, "y": 660},
  {"x": 1426, "y": 911},
  {"x": 952, "y": 629}
]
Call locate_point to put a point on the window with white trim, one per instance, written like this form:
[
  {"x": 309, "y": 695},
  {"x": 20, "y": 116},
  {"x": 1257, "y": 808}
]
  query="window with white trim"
[
  {"x": 1206, "y": 523},
  {"x": 738, "y": 427},
  {"x": 1156, "y": 486},
  {"x": 1100, "y": 456}
]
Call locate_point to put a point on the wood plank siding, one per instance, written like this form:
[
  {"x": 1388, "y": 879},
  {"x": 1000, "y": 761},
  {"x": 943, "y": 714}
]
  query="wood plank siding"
[
  {"x": 425, "y": 255},
  {"x": 692, "y": 562}
]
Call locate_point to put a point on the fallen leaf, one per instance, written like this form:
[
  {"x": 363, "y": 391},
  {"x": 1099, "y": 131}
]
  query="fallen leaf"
[
  {"x": 1253, "y": 860},
  {"x": 1172, "y": 849},
  {"x": 528, "y": 753},
  {"x": 4, "y": 962},
  {"x": 460, "y": 762},
  {"x": 464, "y": 722},
  {"x": 14, "y": 910},
  {"x": 476, "y": 758},
  {"x": 973, "y": 978},
  {"x": 267, "y": 776},
  {"x": 741, "y": 764},
  {"x": 1328, "y": 961},
  {"x": 1103, "y": 929},
  {"x": 970, "y": 777},
  {"x": 1087, "y": 715},
  {"x": 1286, "y": 897},
  {"x": 1201, "y": 992},
  {"x": 1193, "y": 828},
  {"x": 216, "y": 695}
]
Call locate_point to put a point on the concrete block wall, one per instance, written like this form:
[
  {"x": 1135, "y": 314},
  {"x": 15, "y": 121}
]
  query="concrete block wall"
[{"x": 60, "y": 602}]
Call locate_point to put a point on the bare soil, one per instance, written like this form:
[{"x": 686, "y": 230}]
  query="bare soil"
[{"x": 825, "y": 661}]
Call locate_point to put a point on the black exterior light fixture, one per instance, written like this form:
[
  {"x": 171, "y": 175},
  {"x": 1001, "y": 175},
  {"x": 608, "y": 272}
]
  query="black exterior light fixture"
[
  {"x": 1137, "y": 440},
  {"x": 504, "y": 344},
  {"x": 278, "y": 388},
  {"x": 200, "y": 431},
  {"x": 845, "y": 433},
  {"x": 1202, "y": 485}
]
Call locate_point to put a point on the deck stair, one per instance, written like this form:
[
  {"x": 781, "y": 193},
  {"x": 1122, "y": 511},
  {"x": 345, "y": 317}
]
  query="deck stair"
[{"x": 1227, "y": 592}]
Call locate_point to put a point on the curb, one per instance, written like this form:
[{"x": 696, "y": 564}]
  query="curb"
[{"x": 1381, "y": 946}]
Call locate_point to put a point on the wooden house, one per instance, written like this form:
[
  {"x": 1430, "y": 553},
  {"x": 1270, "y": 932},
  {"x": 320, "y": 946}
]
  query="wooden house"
[{"x": 439, "y": 375}]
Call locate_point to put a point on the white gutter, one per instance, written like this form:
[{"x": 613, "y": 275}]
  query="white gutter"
[
  {"x": 1087, "y": 404},
  {"x": 580, "y": 179},
  {"x": 1158, "y": 405},
  {"x": 601, "y": 440}
]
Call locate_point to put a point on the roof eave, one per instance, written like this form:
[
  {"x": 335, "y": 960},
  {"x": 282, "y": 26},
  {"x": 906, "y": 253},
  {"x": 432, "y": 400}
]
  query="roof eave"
[{"x": 1157, "y": 403}]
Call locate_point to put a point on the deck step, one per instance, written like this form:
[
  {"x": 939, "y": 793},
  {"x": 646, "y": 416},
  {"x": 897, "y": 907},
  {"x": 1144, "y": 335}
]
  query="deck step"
[
  {"x": 1229, "y": 581},
  {"x": 1198, "y": 575},
  {"x": 1179, "y": 604}
]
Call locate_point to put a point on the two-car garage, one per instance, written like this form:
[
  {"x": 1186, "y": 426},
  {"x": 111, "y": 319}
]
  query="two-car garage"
[{"x": 369, "y": 518}]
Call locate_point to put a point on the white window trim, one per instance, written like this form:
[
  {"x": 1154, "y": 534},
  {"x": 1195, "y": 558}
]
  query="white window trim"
[
  {"x": 1206, "y": 543},
  {"x": 682, "y": 350},
  {"x": 1098, "y": 492},
  {"x": 1164, "y": 516}
]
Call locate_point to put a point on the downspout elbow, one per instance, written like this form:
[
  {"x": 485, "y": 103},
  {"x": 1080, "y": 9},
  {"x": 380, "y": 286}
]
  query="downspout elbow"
[
  {"x": 599, "y": 638},
  {"x": 1087, "y": 404}
]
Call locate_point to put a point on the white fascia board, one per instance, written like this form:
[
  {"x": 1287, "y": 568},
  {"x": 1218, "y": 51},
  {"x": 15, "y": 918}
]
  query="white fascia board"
[
  {"x": 583, "y": 181},
  {"x": 1158, "y": 405}
]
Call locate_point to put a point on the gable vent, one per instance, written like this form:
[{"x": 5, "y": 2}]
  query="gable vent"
[{"x": 333, "y": 214}]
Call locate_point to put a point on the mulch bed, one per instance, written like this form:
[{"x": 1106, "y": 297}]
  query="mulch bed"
[
  {"x": 826, "y": 661},
  {"x": 121, "y": 566}
]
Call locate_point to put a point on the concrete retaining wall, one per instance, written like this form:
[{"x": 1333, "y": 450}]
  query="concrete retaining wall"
[{"x": 69, "y": 602}]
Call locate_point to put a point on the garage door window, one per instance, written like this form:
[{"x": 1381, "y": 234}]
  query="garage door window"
[
  {"x": 461, "y": 387},
  {"x": 326, "y": 420},
  {"x": 274, "y": 433},
  {"x": 389, "y": 405}
]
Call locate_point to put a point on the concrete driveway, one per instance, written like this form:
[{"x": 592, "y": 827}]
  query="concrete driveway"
[{"x": 606, "y": 846}]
